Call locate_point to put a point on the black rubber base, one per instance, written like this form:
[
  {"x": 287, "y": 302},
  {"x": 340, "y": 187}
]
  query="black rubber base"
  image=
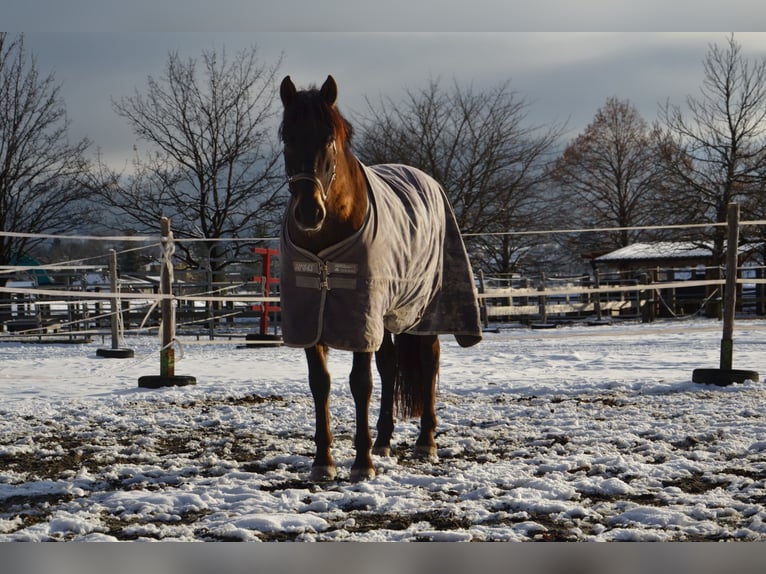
[
  {"x": 255, "y": 340},
  {"x": 723, "y": 377},
  {"x": 542, "y": 326},
  {"x": 158, "y": 381},
  {"x": 599, "y": 322},
  {"x": 115, "y": 353}
]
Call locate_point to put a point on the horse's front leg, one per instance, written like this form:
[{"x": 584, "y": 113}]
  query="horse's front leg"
[
  {"x": 323, "y": 468},
  {"x": 361, "y": 389},
  {"x": 385, "y": 359}
]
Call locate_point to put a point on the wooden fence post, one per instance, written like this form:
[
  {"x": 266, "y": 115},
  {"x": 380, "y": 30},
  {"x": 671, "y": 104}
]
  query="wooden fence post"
[
  {"x": 730, "y": 293},
  {"x": 115, "y": 352},
  {"x": 725, "y": 375},
  {"x": 167, "y": 375},
  {"x": 597, "y": 295},
  {"x": 167, "y": 308},
  {"x": 542, "y": 307},
  {"x": 482, "y": 301}
]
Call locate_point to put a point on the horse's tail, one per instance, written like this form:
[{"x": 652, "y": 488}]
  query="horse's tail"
[{"x": 417, "y": 367}]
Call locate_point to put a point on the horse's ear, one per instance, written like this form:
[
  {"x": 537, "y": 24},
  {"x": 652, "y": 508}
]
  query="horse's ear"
[
  {"x": 287, "y": 91},
  {"x": 329, "y": 91}
]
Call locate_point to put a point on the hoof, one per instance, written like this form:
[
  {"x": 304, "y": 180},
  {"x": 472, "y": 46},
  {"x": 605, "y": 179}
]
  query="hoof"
[
  {"x": 425, "y": 452},
  {"x": 381, "y": 450},
  {"x": 467, "y": 340},
  {"x": 361, "y": 474},
  {"x": 322, "y": 474}
]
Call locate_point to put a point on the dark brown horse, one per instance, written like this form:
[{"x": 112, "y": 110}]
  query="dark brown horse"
[{"x": 331, "y": 203}]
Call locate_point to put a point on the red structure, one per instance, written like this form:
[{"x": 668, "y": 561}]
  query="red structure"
[{"x": 267, "y": 281}]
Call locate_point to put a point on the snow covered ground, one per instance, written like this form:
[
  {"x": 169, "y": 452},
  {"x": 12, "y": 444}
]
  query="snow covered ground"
[{"x": 578, "y": 434}]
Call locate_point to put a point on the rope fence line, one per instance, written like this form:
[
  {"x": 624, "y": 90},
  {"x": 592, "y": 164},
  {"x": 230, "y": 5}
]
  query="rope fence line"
[
  {"x": 499, "y": 292},
  {"x": 167, "y": 248},
  {"x": 595, "y": 230},
  {"x": 72, "y": 264},
  {"x": 616, "y": 331},
  {"x": 135, "y": 238},
  {"x": 152, "y": 299},
  {"x": 157, "y": 238},
  {"x": 105, "y": 295},
  {"x": 154, "y": 330},
  {"x": 491, "y": 292}
]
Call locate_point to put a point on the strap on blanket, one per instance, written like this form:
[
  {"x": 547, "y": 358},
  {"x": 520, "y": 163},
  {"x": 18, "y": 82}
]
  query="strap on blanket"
[{"x": 313, "y": 275}]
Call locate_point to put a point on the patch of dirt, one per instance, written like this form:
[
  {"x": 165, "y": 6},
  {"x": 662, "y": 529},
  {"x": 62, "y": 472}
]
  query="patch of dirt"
[
  {"x": 57, "y": 454},
  {"x": 697, "y": 483}
]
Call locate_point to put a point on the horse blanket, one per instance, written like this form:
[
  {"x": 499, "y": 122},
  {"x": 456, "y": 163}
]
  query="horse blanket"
[{"x": 405, "y": 271}]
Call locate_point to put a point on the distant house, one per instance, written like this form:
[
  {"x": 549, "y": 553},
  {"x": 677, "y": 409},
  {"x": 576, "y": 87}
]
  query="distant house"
[
  {"x": 671, "y": 258},
  {"x": 663, "y": 261}
]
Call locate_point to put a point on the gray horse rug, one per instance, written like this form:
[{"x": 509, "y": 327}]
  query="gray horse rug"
[{"x": 404, "y": 271}]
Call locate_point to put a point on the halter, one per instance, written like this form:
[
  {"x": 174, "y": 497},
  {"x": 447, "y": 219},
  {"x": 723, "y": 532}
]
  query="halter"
[{"x": 312, "y": 176}]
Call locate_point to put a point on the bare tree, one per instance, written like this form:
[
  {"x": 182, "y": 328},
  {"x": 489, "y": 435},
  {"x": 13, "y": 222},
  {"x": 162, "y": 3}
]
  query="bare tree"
[
  {"x": 720, "y": 142},
  {"x": 39, "y": 167},
  {"x": 214, "y": 167},
  {"x": 608, "y": 176},
  {"x": 479, "y": 146}
]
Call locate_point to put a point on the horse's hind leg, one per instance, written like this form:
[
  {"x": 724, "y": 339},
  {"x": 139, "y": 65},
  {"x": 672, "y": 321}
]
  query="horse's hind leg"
[
  {"x": 361, "y": 389},
  {"x": 429, "y": 353},
  {"x": 385, "y": 360},
  {"x": 323, "y": 468}
]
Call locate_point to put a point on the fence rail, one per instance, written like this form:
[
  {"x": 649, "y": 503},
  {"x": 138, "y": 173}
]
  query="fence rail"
[
  {"x": 44, "y": 313},
  {"x": 47, "y": 310},
  {"x": 646, "y": 300}
]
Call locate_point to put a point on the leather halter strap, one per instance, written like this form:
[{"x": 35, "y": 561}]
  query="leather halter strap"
[{"x": 312, "y": 176}]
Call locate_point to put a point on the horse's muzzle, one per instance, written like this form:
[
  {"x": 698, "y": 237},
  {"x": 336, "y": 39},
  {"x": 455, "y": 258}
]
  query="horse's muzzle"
[{"x": 308, "y": 214}]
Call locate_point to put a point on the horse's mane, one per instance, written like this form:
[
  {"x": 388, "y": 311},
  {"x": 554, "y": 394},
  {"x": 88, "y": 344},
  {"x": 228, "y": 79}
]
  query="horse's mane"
[{"x": 309, "y": 107}]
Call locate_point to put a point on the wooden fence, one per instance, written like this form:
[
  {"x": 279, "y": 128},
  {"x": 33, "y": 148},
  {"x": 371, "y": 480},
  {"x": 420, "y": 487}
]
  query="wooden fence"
[
  {"x": 635, "y": 298},
  {"x": 41, "y": 313},
  {"x": 67, "y": 314}
]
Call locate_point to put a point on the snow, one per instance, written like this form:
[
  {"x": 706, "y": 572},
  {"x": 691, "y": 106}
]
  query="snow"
[
  {"x": 576, "y": 433},
  {"x": 658, "y": 250}
]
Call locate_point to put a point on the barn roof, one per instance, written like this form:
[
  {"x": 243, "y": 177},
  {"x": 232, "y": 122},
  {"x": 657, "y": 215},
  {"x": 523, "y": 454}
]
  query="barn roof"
[{"x": 657, "y": 250}]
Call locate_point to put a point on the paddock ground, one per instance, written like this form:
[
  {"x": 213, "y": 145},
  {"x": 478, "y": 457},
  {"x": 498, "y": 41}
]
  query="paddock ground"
[{"x": 573, "y": 434}]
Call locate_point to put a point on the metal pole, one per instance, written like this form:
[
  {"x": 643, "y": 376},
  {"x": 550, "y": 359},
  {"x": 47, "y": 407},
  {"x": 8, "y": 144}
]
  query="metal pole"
[{"x": 730, "y": 295}]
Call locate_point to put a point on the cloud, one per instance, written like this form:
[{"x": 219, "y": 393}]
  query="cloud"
[
  {"x": 391, "y": 15},
  {"x": 564, "y": 75}
]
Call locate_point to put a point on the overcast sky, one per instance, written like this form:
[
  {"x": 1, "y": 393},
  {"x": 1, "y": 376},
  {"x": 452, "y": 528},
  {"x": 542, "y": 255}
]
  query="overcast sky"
[{"x": 101, "y": 50}]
